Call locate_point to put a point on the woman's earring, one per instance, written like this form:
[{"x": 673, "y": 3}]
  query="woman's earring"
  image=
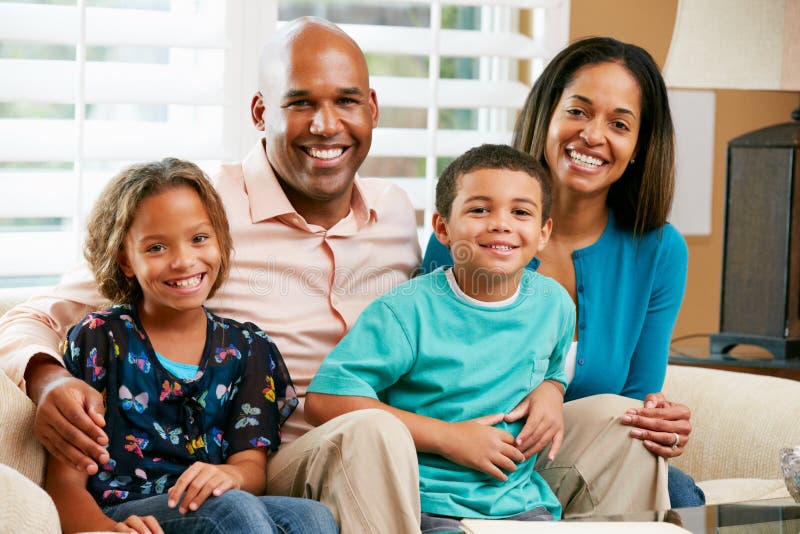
[{"x": 631, "y": 161}]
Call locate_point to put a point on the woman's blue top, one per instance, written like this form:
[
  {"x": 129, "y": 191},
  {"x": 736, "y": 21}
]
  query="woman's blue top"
[{"x": 629, "y": 293}]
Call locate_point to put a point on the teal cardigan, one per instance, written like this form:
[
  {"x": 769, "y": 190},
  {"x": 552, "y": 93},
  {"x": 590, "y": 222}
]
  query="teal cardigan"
[{"x": 629, "y": 293}]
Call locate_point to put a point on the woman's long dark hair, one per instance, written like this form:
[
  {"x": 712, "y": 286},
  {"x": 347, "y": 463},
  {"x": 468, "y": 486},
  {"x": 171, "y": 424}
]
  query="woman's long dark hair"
[{"x": 642, "y": 197}]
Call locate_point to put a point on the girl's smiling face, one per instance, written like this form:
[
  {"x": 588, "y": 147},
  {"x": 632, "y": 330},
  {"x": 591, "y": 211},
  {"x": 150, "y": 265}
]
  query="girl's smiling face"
[
  {"x": 594, "y": 129},
  {"x": 172, "y": 251}
]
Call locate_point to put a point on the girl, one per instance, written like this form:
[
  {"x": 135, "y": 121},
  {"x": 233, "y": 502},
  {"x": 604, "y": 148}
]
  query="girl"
[{"x": 193, "y": 400}]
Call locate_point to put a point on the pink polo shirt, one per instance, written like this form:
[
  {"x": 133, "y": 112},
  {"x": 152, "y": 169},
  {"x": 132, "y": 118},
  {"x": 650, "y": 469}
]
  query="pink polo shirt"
[{"x": 301, "y": 283}]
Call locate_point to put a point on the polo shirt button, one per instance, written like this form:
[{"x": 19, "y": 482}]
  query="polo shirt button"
[
  {"x": 580, "y": 362},
  {"x": 582, "y": 326},
  {"x": 580, "y": 288}
]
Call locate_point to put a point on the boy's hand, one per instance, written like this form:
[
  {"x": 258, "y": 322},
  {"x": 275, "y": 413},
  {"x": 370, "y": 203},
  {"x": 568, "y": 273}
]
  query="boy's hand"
[
  {"x": 136, "y": 524},
  {"x": 545, "y": 420},
  {"x": 476, "y": 444},
  {"x": 199, "y": 482}
]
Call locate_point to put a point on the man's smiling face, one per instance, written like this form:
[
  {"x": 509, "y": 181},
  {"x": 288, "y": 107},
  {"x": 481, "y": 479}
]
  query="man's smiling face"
[{"x": 318, "y": 116}]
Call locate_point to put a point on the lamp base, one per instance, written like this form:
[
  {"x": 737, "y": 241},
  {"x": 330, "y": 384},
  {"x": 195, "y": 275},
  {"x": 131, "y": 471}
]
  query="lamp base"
[{"x": 781, "y": 348}]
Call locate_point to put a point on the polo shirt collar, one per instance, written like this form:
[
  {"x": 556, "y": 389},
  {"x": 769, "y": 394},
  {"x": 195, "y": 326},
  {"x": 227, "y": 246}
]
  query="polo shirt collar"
[{"x": 268, "y": 201}]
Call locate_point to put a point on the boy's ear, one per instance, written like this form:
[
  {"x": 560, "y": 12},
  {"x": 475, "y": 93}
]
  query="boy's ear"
[
  {"x": 544, "y": 235},
  {"x": 124, "y": 263},
  {"x": 440, "y": 229}
]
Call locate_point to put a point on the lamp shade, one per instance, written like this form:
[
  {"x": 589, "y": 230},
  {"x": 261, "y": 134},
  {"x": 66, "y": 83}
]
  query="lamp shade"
[{"x": 735, "y": 44}]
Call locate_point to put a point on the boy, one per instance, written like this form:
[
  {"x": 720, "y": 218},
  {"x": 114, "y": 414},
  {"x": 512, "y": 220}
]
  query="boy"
[{"x": 450, "y": 352}]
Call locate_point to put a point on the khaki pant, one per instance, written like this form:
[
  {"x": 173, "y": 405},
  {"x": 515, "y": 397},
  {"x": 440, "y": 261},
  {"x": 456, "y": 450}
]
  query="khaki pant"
[
  {"x": 362, "y": 465},
  {"x": 600, "y": 469}
]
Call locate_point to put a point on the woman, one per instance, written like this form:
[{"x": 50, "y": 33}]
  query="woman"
[{"x": 598, "y": 117}]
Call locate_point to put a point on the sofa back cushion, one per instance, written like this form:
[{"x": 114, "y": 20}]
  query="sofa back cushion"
[{"x": 739, "y": 421}]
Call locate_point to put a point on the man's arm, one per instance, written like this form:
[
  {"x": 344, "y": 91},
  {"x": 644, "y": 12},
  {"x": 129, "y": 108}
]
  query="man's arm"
[
  {"x": 67, "y": 416},
  {"x": 473, "y": 443},
  {"x": 37, "y": 327}
]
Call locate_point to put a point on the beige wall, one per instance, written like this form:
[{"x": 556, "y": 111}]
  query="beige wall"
[{"x": 648, "y": 23}]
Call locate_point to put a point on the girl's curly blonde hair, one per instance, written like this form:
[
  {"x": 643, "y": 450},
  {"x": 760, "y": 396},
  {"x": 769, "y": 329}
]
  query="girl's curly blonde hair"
[{"x": 116, "y": 207}]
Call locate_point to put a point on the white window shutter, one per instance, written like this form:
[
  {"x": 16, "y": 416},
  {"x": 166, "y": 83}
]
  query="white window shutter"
[
  {"x": 177, "y": 81},
  {"x": 172, "y": 80}
]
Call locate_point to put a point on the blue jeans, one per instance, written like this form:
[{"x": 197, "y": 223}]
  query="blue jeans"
[
  {"x": 232, "y": 512},
  {"x": 683, "y": 492}
]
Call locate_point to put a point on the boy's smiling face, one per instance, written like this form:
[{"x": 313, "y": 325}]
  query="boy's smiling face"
[{"x": 494, "y": 230}]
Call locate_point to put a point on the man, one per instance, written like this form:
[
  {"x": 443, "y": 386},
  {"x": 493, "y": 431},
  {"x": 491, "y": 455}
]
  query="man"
[{"x": 313, "y": 246}]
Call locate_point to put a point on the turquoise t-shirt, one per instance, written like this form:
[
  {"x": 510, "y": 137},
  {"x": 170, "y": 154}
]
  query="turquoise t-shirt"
[
  {"x": 629, "y": 293},
  {"x": 423, "y": 349}
]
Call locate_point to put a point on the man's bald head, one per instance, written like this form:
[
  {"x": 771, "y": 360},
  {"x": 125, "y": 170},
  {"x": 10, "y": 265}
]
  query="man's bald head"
[
  {"x": 317, "y": 112},
  {"x": 304, "y": 31}
]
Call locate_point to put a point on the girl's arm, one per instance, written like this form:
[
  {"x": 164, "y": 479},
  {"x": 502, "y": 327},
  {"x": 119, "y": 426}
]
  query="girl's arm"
[
  {"x": 245, "y": 470},
  {"x": 78, "y": 511}
]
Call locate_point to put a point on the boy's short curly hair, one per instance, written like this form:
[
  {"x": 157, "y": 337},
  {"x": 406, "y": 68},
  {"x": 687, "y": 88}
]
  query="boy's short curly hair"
[
  {"x": 491, "y": 157},
  {"x": 116, "y": 207}
]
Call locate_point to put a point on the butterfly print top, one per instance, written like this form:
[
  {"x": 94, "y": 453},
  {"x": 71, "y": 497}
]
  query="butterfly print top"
[{"x": 157, "y": 424}]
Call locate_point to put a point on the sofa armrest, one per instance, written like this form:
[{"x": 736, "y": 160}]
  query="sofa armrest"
[
  {"x": 19, "y": 448},
  {"x": 739, "y": 421}
]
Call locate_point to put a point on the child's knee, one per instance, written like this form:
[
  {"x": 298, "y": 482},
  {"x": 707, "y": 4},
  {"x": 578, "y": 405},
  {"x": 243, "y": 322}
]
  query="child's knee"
[
  {"x": 236, "y": 508},
  {"x": 321, "y": 517},
  {"x": 305, "y": 515},
  {"x": 364, "y": 430}
]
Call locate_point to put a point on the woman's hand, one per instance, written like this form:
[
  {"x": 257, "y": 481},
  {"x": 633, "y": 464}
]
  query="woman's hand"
[
  {"x": 658, "y": 425},
  {"x": 545, "y": 420}
]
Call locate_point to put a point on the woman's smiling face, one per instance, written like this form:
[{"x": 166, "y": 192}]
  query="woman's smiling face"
[{"x": 594, "y": 129}]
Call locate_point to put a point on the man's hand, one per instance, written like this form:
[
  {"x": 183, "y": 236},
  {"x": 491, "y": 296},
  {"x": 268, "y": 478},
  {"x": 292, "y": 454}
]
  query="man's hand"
[
  {"x": 138, "y": 524},
  {"x": 658, "y": 424},
  {"x": 69, "y": 417},
  {"x": 199, "y": 482},
  {"x": 476, "y": 444},
  {"x": 545, "y": 420}
]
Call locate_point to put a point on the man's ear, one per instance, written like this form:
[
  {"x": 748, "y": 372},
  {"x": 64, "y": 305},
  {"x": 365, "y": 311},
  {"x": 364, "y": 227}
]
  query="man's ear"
[
  {"x": 124, "y": 263},
  {"x": 440, "y": 229},
  {"x": 257, "y": 111},
  {"x": 544, "y": 235},
  {"x": 373, "y": 105}
]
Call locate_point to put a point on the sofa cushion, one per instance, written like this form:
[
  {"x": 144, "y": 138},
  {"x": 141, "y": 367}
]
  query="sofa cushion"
[
  {"x": 24, "y": 506},
  {"x": 19, "y": 447},
  {"x": 739, "y": 421},
  {"x": 742, "y": 489}
]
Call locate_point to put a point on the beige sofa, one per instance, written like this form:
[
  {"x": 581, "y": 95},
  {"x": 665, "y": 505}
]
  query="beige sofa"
[{"x": 740, "y": 421}]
